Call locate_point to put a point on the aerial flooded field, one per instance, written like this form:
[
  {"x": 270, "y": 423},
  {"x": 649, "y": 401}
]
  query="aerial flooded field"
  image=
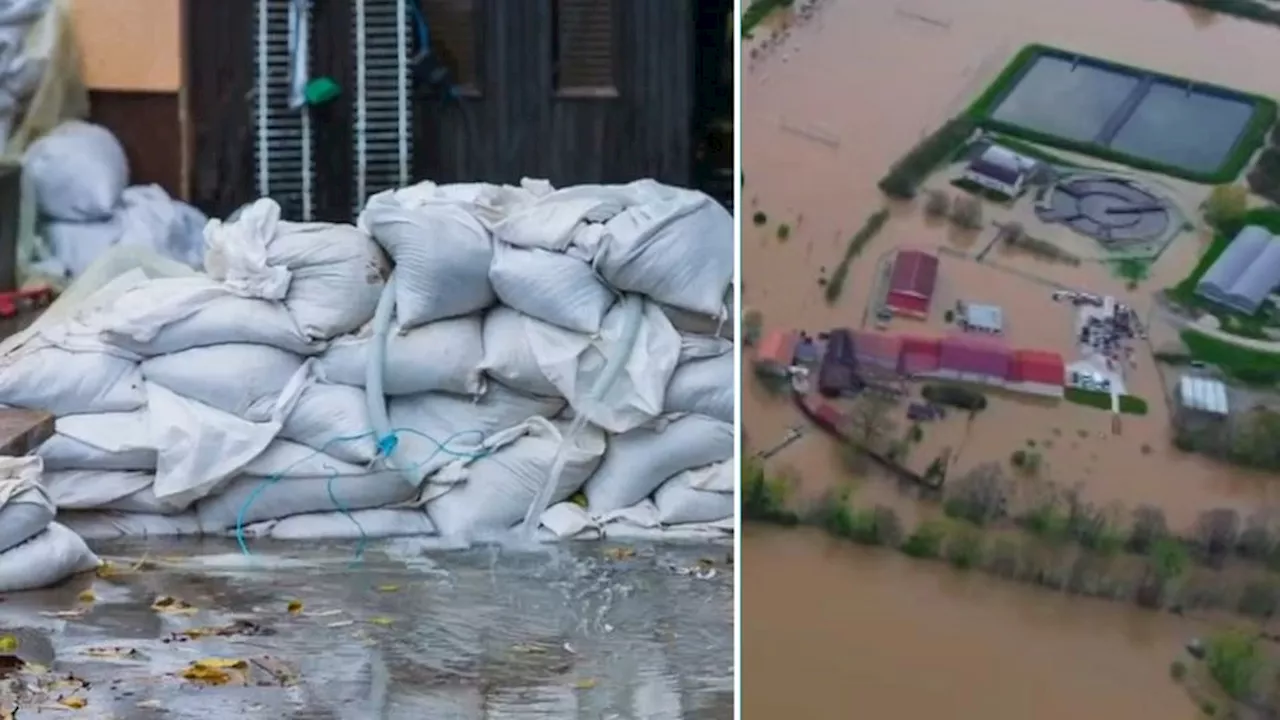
[{"x": 834, "y": 95}]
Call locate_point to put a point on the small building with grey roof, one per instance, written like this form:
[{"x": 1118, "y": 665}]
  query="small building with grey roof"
[{"x": 1246, "y": 273}]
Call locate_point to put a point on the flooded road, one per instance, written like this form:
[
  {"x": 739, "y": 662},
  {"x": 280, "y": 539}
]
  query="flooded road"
[
  {"x": 580, "y": 631},
  {"x": 846, "y": 92},
  {"x": 838, "y": 631}
]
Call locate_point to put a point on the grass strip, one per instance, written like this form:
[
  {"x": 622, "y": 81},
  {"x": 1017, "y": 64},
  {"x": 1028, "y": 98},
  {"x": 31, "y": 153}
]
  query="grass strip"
[
  {"x": 857, "y": 243},
  {"x": 1129, "y": 404},
  {"x": 1248, "y": 365},
  {"x": 757, "y": 11}
]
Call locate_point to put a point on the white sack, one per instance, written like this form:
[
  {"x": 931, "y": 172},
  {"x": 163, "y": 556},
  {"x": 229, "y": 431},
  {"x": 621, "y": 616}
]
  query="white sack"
[
  {"x": 493, "y": 492},
  {"x": 442, "y": 356},
  {"x": 68, "y": 378},
  {"x": 76, "y": 245},
  {"x": 675, "y": 247},
  {"x": 637, "y": 523},
  {"x": 77, "y": 171},
  {"x": 328, "y": 276},
  {"x": 93, "y": 489},
  {"x": 441, "y": 252},
  {"x": 254, "y": 499},
  {"x": 543, "y": 359},
  {"x": 333, "y": 419},
  {"x": 110, "y": 525},
  {"x": 704, "y": 386},
  {"x": 200, "y": 447},
  {"x": 54, "y": 555},
  {"x": 567, "y": 521},
  {"x": 459, "y": 422},
  {"x": 679, "y": 501},
  {"x": 101, "y": 441},
  {"x": 367, "y": 524},
  {"x": 554, "y": 219},
  {"x": 638, "y": 461},
  {"x": 169, "y": 315},
  {"x": 553, "y": 287},
  {"x": 25, "y": 508},
  {"x": 244, "y": 380}
]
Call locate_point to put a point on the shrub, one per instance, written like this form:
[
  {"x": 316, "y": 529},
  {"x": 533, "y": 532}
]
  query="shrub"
[
  {"x": 980, "y": 496},
  {"x": 784, "y": 232},
  {"x": 949, "y": 316},
  {"x": 955, "y": 396},
  {"x": 1259, "y": 599},
  {"x": 1178, "y": 670},
  {"x": 965, "y": 547},
  {"x": 926, "y": 542},
  {"x": 759, "y": 218},
  {"x": 1149, "y": 527},
  {"x": 764, "y": 498},
  {"x": 1255, "y": 541},
  {"x": 1234, "y": 660},
  {"x": 916, "y": 433},
  {"x": 937, "y": 204},
  {"x": 966, "y": 213},
  {"x": 1226, "y": 205},
  {"x": 1216, "y": 534}
]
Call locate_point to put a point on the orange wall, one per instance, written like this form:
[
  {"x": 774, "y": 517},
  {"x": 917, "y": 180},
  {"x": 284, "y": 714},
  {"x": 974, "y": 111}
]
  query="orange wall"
[{"x": 130, "y": 44}]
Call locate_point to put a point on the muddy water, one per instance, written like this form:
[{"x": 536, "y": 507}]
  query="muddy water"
[
  {"x": 846, "y": 632},
  {"x": 825, "y": 113}
]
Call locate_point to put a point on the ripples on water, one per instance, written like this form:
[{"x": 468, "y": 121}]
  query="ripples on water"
[{"x": 564, "y": 632}]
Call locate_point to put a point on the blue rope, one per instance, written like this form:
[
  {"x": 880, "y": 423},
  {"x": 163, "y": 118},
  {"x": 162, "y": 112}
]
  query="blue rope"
[{"x": 386, "y": 445}]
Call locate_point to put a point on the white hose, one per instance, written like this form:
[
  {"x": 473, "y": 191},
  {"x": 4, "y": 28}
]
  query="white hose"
[{"x": 374, "y": 369}]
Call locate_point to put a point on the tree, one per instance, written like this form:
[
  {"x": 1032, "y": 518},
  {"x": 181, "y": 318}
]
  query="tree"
[
  {"x": 1149, "y": 528},
  {"x": 1234, "y": 660},
  {"x": 869, "y": 423},
  {"x": 966, "y": 213},
  {"x": 1216, "y": 533},
  {"x": 752, "y": 323},
  {"x": 1256, "y": 542},
  {"x": 1225, "y": 205},
  {"x": 980, "y": 496},
  {"x": 937, "y": 204}
]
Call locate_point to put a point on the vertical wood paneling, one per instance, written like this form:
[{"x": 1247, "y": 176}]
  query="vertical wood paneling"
[{"x": 333, "y": 55}]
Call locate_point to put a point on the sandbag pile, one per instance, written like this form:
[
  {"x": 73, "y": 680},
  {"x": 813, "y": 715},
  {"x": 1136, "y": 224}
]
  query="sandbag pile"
[
  {"x": 80, "y": 177},
  {"x": 520, "y": 328},
  {"x": 35, "y": 551}
]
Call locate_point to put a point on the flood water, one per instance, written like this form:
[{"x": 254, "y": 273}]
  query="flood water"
[
  {"x": 839, "y": 631},
  {"x": 579, "y": 631}
]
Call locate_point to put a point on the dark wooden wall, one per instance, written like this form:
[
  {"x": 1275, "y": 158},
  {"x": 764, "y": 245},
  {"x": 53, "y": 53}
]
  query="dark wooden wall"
[{"x": 149, "y": 127}]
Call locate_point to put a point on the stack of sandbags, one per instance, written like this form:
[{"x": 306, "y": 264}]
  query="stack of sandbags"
[
  {"x": 80, "y": 178},
  {"x": 20, "y": 70},
  {"x": 35, "y": 551}
]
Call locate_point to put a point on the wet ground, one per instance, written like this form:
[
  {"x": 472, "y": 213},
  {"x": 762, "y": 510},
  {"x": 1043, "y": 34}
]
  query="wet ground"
[{"x": 407, "y": 631}]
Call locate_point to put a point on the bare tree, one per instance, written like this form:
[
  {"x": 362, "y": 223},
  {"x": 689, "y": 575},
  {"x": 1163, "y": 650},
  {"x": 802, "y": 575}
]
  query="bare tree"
[
  {"x": 1149, "y": 527},
  {"x": 869, "y": 424},
  {"x": 1216, "y": 533},
  {"x": 981, "y": 495}
]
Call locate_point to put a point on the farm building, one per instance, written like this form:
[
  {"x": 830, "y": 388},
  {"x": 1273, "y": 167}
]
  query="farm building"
[
  {"x": 974, "y": 360},
  {"x": 776, "y": 351},
  {"x": 1246, "y": 272},
  {"x": 837, "y": 375},
  {"x": 1001, "y": 170},
  {"x": 1037, "y": 372},
  {"x": 911, "y": 283},
  {"x": 1203, "y": 395},
  {"x": 976, "y": 317},
  {"x": 920, "y": 356},
  {"x": 876, "y": 352}
]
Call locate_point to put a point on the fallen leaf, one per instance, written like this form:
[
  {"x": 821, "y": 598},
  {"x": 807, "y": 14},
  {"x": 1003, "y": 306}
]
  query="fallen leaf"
[
  {"x": 87, "y": 596},
  {"x": 107, "y": 569},
  {"x": 383, "y": 621},
  {"x": 388, "y": 588},
  {"x": 579, "y": 499},
  {"x": 619, "y": 553},
  {"x": 170, "y": 604},
  {"x": 217, "y": 671},
  {"x": 585, "y": 684},
  {"x": 706, "y": 562},
  {"x": 75, "y": 703},
  {"x": 8, "y": 644},
  {"x": 294, "y": 607}
]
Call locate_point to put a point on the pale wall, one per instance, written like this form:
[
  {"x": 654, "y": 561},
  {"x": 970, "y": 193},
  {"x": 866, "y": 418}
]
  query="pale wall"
[{"x": 130, "y": 44}]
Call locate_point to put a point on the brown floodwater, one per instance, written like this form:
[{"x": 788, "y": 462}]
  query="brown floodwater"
[
  {"x": 839, "y": 631},
  {"x": 833, "y": 103}
]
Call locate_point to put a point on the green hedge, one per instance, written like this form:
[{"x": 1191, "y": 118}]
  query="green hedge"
[
  {"x": 1129, "y": 404},
  {"x": 757, "y": 11},
  {"x": 955, "y": 396},
  {"x": 1253, "y": 367},
  {"x": 1253, "y": 137}
]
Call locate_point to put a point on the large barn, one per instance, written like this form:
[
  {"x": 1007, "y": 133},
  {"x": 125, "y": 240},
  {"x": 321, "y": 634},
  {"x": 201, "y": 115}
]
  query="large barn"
[
  {"x": 912, "y": 282},
  {"x": 1246, "y": 272}
]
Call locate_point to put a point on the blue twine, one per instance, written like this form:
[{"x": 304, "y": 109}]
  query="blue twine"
[{"x": 386, "y": 445}]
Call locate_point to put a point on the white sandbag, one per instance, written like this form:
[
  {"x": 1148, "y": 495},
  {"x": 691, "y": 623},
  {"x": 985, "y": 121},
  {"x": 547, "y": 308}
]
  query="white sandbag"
[
  {"x": 145, "y": 502},
  {"x": 490, "y": 493},
  {"x": 251, "y": 499},
  {"x": 704, "y": 386},
  {"x": 169, "y": 315},
  {"x": 110, "y": 525},
  {"x": 101, "y": 441},
  {"x": 25, "y": 508},
  {"x": 553, "y": 287},
  {"x": 423, "y": 422},
  {"x": 441, "y": 252},
  {"x": 554, "y": 219},
  {"x": 200, "y": 447},
  {"x": 333, "y": 419},
  {"x": 66, "y": 378},
  {"x": 50, "y": 557},
  {"x": 698, "y": 324},
  {"x": 443, "y": 356},
  {"x": 76, "y": 245},
  {"x": 241, "y": 379},
  {"x": 328, "y": 276},
  {"x": 93, "y": 489},
  {"x": 367, "y": 524},
  {"x": 676, "y": 247},
  {"x": 78, "y": 172},
  {"x": 567, "y": 521},
  {"x": 679, "y": 502},
  {"x": 640, "y": 460},
  {"x": 543, "y": 359}
]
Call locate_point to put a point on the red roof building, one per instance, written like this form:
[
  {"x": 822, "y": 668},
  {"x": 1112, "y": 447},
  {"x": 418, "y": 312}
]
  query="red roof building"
[
  {"x": 1039, "y": 368},
  {"x": 876, "y": 351},
  {"x": 968, "y": 356},
  {"x": 776, "y": 351},
  {"x": 919, "y": 355},
  {"x": 912, "y": 282}
]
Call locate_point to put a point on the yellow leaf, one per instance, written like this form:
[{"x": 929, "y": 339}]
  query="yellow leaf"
[
  {"x": 75, "y": 703},
  {"x": 619, "y": 553},
  {"x": 222, "y": 663},
  {"x": 383, "y": 621},
  {"x": 170, "y": 604},
  {"x": 107, "y": 569},
  {"x": 585, "y": 684},
  {"x": 216, "y": 671},
  {"x": 87, "y": 596},
  {"x": 8, "y": 644},
  {"x": 388, "y": 588},
  {"x": 579, "y": 499},
  {"x": 294, "y": 607}
]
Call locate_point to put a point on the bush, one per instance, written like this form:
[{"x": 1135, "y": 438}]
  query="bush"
[
  {"x": 937, "y": 204},
  {"x": 784, "y": 232},
  {"x": 980, "y": 496},
  {"x": 955, "y": 396},
  {"x": 1149, "y": 528},
  {"x": 949, "y": 316},
  {"x": 1226, "y": 205},
  {"x": 966, "y": 213},
  {"x": 1255, "y": 541},
  {"x": 965, "y": 547},
  {"x": 926, "y": 542},
  {"x": 1216, "y": 534},
  {"x": 1234, "y": 660},
  {"x": 1026, "y": 461},
  {"x": 1178, "y": 670},
  {"x": 764, "y": 498},
  {"x": 759, "y": 218}
]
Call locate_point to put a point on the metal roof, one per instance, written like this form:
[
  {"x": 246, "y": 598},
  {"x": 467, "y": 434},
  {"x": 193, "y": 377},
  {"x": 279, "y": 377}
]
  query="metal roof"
[
  {"x": 984, "y": 317},
  {"x": 1203, "y": 394},
  {"x": 1246, "y": 272}
]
